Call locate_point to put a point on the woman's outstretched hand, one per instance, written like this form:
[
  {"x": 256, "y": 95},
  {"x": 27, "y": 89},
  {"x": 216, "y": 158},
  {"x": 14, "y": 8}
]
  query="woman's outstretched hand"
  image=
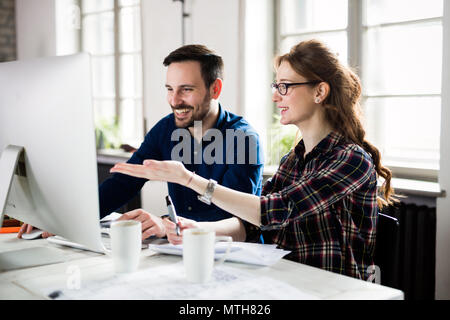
[{"x": 170, "y": 171}]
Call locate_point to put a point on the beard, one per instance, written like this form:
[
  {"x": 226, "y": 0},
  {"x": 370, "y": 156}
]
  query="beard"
[
  {"x": 197, "y": 114},
  {"x": 185, "y": 123}
]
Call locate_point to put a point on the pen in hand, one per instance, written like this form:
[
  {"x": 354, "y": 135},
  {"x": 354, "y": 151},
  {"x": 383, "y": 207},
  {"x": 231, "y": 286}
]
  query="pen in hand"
[{"x": 172, "y": 213}]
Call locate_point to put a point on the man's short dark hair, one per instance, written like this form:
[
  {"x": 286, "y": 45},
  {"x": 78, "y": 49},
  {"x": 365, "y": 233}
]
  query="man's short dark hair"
[{"x": 210, "y": 63}]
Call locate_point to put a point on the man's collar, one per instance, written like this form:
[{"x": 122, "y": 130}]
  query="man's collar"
[{"x": 221, "y": 119}]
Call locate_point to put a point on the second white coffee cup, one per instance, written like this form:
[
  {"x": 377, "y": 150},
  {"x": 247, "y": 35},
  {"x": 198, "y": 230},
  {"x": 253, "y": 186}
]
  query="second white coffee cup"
[
  {"x": 126, "y": 243},
  {"x": 198, "y": 253}
]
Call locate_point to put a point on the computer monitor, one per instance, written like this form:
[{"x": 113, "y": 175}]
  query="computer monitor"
[{"x": 46, "y": 109}]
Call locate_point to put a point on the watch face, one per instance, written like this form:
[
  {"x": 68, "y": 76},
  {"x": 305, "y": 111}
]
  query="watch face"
[
  {"x": 210, "y": 188},
  {"x": 206, "y": 198}
]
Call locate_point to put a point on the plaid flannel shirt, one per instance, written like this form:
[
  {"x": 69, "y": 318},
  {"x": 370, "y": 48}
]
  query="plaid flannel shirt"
[{"x": 323, "y": 207}]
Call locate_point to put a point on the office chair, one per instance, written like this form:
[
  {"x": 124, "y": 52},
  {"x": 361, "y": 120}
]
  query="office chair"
[{"x": 387, "y": 249}]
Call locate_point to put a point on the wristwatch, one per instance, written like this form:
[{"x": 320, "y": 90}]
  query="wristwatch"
[{"x": 206, "y": 197}]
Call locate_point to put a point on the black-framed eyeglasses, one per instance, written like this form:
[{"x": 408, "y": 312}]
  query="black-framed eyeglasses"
[{"x": 283, "y": 87}]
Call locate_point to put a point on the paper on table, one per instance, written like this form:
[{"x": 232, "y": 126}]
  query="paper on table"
[
  {"x": 112, "y": 216},
  {"x": 245, "y": 252},
  {"x": 168, "y": 282}
]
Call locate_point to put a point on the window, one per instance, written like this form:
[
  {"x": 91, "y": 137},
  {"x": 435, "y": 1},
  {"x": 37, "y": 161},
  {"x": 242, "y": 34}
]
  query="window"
[
  {"x": 299, "y": 21},
  {"x": 401, "y": 73},
  {"x": 321, "y": 19},
  {"x": 396, "y": 47},
  {"x": 110, "y": 32}
]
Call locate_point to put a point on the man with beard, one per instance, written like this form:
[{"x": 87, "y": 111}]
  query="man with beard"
[{"x": 194, "y": 83}]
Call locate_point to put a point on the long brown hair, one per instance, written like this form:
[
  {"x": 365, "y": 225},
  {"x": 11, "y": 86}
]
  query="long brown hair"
[{"x": 314, "y": 61}]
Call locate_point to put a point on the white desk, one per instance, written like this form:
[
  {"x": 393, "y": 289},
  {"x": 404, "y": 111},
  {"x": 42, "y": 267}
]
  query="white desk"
[{"x": 28, "y": 283}]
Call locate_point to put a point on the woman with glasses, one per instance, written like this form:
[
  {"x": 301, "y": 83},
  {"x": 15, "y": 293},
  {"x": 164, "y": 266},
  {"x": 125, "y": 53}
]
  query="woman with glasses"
[{"x": 322, "y": 202}]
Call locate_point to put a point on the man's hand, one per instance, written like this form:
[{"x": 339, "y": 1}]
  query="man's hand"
[
  {"x": 151, "y": 224},
  {"x": 183, "y": 223},
  {"x": 27, "y": 228}
]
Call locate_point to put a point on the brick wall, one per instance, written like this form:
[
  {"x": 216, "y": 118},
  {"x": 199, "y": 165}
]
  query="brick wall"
[{"x": 7, "y": 31}]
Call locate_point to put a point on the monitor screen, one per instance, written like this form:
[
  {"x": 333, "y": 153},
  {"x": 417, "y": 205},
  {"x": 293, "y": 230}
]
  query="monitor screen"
[{"x": 46, "y": 108}]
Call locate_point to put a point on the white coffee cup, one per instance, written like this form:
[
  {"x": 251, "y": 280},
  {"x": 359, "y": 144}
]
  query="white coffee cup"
[
  {"x": 198, "y": 253},
  {"x": 126, "y": 244}
]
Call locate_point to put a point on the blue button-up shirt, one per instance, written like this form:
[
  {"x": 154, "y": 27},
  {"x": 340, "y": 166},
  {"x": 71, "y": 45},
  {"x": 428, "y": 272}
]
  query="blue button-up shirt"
[{"x": 227, "y": 171}]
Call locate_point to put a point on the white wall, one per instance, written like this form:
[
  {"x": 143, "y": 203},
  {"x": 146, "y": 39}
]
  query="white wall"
[
  {"x": 35, "y": 28},
  {"x": 47, "y": 28},
  {"x": 443, "y": 204},
  {"x": 161, "y": 25},
  {"x": 216, "y": 24}
]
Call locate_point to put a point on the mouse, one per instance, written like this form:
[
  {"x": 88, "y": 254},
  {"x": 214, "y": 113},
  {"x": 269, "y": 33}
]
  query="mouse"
[{"x": 34, "y": 234}]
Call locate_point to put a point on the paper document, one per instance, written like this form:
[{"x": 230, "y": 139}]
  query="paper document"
[
  {"x": 112, "y": 216},
  {"x": 169, "y": 282},
  {"x": 245, "y": 252}
]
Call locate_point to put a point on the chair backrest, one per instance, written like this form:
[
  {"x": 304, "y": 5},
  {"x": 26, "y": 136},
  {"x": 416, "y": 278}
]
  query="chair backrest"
[{"x": 387, "y": 249}]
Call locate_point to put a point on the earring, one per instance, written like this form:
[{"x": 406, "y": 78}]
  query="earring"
[{"x": 317, "y": 100}]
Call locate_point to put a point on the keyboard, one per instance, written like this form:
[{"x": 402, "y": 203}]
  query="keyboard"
[{"x": 106, "y": 240}]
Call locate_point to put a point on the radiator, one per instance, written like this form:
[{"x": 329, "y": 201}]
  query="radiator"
[{"x": 413, "y": 271}]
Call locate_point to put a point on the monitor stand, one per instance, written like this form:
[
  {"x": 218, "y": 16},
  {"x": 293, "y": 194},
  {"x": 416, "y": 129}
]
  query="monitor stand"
[
  {"x": 9, "y": 165},
  {"x": 12, "y": 162}
]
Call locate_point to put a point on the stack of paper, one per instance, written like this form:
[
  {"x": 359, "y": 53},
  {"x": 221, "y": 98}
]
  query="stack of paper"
[{"x": 245, "y": 252}]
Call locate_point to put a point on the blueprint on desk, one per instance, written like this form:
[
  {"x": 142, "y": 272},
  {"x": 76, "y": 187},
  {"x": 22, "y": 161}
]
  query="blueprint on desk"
[{"x": 169, "y": 282}]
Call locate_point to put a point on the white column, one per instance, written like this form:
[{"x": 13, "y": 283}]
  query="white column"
[
  {"x": 355, "y": 37},
  {"x": 161, "y": 34},
  {"x": 216, "y": 24},
  {"x": 258, "y": 71}
]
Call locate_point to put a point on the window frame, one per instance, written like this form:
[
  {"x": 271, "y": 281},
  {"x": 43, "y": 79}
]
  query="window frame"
[
  {"x": 117, "y": 55},
  {"x": 355, "y": 58}
]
